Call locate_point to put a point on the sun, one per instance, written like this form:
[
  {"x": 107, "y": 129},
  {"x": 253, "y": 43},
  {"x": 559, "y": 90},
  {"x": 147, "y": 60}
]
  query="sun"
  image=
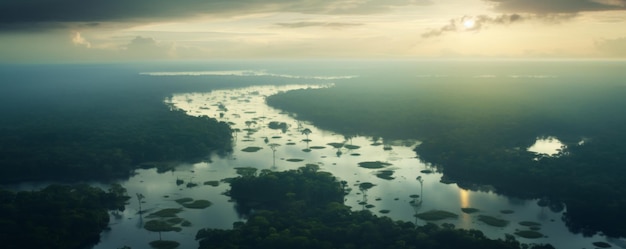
[{"x": 469, "y": 23}]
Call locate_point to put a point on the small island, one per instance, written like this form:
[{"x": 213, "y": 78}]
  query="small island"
[{"x": 304, "y": 208}]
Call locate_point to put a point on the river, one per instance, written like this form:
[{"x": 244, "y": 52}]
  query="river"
[{"x": 395, "y": 196}]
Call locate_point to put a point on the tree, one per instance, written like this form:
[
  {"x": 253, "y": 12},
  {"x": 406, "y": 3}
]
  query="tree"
[
  {"x": 273, "y": 146},
  {"x": 419, "y": 179},
  {"x": 140, "y": 197},
  {"x": 306, "y": 132}
]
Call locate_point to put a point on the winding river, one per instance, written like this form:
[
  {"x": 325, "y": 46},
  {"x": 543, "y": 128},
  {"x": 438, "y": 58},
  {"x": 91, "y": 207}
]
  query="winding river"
[{"x": 413, "y": 187}]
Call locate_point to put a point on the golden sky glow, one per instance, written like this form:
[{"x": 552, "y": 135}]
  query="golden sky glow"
[{"x": 65, "y": 30}]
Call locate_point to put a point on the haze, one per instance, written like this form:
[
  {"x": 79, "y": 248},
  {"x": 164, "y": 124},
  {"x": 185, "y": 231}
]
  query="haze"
[{"x": 36, "y": 31}]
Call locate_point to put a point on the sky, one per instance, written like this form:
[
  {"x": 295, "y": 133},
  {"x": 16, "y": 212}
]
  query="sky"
[{"x": 36, "y": 31}]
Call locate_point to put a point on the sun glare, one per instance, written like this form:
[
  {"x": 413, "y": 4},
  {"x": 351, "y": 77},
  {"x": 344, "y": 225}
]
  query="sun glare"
[{"x": 469, "y": 23}]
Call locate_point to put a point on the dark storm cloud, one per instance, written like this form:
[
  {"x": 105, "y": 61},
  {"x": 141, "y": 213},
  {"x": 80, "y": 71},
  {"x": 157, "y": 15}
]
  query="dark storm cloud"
[
  {"x": 39, "y": 13},
  {"x": 557, "y": 6},
  {"x": 317, "y": 24}
]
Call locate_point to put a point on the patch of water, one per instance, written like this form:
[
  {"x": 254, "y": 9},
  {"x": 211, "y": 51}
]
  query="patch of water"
[{"x": 547, "y": 146}]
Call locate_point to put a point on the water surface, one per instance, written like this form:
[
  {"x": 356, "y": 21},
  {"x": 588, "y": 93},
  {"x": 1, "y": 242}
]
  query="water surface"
[{"x": 245, "y": 109}]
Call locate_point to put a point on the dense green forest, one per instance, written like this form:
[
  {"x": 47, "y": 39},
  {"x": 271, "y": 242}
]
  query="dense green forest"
[
  {"x": 304, "y": 208},
  {"x": 476, "y": 132},
  {"x": 57, "y": 217},
  {"x": 89, "y": 122},
  {"x": 78, "y": 123},
  {"x": 82, "y": 122}
]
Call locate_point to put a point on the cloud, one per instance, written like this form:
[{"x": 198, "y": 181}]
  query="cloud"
[
  {"x": 612, "y": 47},
  {"x": 148, "y": 48},
  {"x": 318, "y": 24},
  {"x": 468, "y": 23},
  {"x": 79, "y": 40},
  {"x": 557, "y": 6},
  {"x": 40, "y": 13},
  {"x": 477, "y": 23}
]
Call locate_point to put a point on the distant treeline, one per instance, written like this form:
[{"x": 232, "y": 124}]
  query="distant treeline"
[
  {"x": 477, "y": 131},
  {"x": 304, "y": 209}
]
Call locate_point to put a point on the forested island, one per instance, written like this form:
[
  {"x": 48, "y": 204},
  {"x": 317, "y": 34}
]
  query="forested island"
[
  {"x": 304, "y": 208},
  {"x": 476, "y": 132}
]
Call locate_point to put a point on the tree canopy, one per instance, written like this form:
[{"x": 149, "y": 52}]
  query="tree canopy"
[
  {"x": 59, "y": 216},
  {"x": 476, "y": 131},
  {"x": 304, "y": 209}
]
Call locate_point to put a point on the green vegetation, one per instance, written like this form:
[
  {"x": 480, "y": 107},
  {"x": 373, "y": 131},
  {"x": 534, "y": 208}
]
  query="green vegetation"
[
  {"x": 529, "y": 234},
  {"x": 351, "y": 147},
  {"x": 295, "y": 160},
  {"x": 275, "y": 125},
  {"x": 317, "y": 147},
  {"x": 601, "y": 244},
  {"x": 476, "y": 131},
  {"x": 175, "y": 220},
  {"x": 530, "y": 223},
  {"x": 183, "y": 200},
  {"x": 160, "y": 166},
  {"x": 164, "y": 244},
  {"x": 246, "y": 171},
  {"x": 251, "y": 149},
  {"x": 104, "y": 147},
  {"x": 435, "y": 215},
  {"x": 373, "y": 165},
  {"x": 84, "y": 123},
  {"x": 385, "y": 174},
  {"x": 161, "y": 226},
  {"x": 166, "y": 213},
  {"x": 366, "y": 185},
  {"x": 303, "y": 209},
  {"x": 190, "y": 203},
  {"x": 166, "y": 220},
  {"x": 493, "y": 221},
  {"x": 212, "y": 183},
  {"x": 470, "y": 210},
  {"x": 58, "y": 216},
  {"x": 197, "y": 204},
  {"x": 507, "y": 211},
  {"x": 336, "y": 145}
]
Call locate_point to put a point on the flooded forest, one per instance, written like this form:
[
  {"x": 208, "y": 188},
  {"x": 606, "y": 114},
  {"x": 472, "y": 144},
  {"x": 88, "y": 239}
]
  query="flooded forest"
[{"x": 272, "y": 154}]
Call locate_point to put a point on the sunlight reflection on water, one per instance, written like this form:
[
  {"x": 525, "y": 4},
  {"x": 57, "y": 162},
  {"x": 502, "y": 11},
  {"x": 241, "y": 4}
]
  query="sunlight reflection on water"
[{"x": 549, "y": 146}]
